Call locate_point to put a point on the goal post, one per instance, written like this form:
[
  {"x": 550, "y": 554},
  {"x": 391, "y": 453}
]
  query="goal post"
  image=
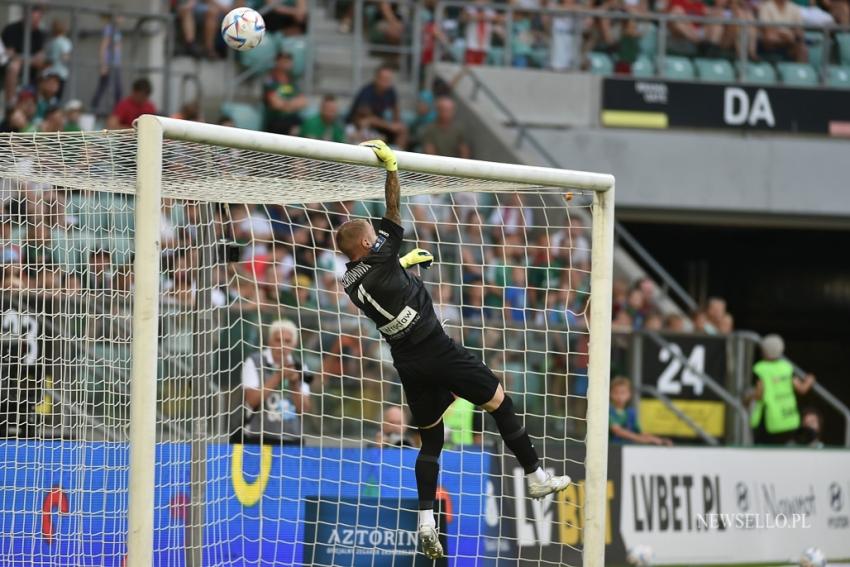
[
  {"x": 151, "y": 131},
  {"x": 154, "y": 280}
]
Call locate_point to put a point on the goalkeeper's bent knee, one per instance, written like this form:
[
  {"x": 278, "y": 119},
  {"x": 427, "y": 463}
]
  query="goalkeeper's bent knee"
[{"x": 514, "y": 435}]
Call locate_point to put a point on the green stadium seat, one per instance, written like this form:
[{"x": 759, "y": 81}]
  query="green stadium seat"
[
  {"x": 496, "y": 56},
  {"x": 843, "y": 40},
  {"x": 838, "y": 77},
  {"x": 814, "y": 43},
  {"x": 797, "y": 74},
  {"x": 648, "y": 44},
  {"x": 761, "y": 73},
  {"x": 715, "y": 70},
  {"x": 678, "y": 68},
  {"x": 246, "y": 116},
  {"x": 600, "y": 63},
  {"x": 643, "y": 67},
  {"x": 261, "y": 59}
]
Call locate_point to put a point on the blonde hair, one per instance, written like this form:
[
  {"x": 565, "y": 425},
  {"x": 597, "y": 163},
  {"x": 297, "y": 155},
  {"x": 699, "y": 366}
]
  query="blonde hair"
[
  {"x": 283, "y": 325},
  {"x": 621, "y": 381}
]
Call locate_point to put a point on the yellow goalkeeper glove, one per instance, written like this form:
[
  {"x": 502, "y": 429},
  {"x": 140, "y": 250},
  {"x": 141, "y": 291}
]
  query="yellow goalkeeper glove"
[
  {"x": 416, "y": 256},
  {"x": 384, "y": 153}
]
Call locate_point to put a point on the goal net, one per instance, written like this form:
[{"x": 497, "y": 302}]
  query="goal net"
[{"x": 184, "y": 382}]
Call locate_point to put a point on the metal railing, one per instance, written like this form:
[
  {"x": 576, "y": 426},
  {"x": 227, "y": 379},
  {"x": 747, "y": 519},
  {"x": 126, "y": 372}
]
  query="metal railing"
[
  {"x": 133, "y": 37},
  {"x": 746, "y": 28}
]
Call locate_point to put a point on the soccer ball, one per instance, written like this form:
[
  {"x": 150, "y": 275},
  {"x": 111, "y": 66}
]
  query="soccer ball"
[
  {"x": 243, "y": 29},
  {"x": 640, "y": 556},
  {"x": 813, "y": 557}
]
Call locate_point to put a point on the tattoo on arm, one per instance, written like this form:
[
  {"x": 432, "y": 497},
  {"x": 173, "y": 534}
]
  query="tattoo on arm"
[{"x": 392, "y": 192}]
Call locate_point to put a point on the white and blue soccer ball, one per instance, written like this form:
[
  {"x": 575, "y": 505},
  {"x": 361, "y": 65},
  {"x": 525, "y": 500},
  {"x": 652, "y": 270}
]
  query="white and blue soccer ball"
[
  {"x": 812, "y": 557},
  {"x": 640, "y": 555},
  {"x": 243, "y": 29}
]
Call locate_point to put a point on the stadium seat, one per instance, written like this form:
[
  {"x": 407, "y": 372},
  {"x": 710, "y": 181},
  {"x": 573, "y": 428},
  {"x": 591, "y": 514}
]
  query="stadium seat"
[
  {"x": 678, "y": 68},
  {"x": 261, "y": 59},
  {"x": 761, "y": 73},
  {"x": 843, "y": 40},
  {"x": 600, "y": 63},
  {"x": 244, "y": 115},
  {"x": 496, "y": 56},
  {"x": 814, "y": 43},
  {"x": 648, "y": 44},
  {"x": 797, "y": 74},
  {"x": 838, "y": 77},
  {"x": 715, "y": 70},
  {"x": 643, "y": 67}
]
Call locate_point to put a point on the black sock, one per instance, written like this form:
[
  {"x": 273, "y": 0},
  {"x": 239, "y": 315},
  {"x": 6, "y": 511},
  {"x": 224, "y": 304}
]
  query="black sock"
[
  {"x": 428, "y": 464},
  {"x": 514, "y": 435}
]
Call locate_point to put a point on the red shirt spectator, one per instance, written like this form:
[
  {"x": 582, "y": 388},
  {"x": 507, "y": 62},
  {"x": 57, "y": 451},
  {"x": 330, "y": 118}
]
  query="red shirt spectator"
[
  {"x": 690, "y": 7},
  {"x": 133, "y": 106}
]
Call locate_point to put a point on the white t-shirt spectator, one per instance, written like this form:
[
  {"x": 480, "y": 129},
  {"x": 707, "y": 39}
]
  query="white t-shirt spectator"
[
  {"x": 479, "y": 32},
  {"x": 512, "y": 219}
]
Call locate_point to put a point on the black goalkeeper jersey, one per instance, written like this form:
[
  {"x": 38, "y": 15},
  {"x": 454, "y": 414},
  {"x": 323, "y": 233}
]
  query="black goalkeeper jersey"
[{"x": 394, "y": 299}]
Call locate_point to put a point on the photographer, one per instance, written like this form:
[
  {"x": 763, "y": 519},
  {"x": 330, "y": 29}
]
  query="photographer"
[{"x": 275, "y": 388}]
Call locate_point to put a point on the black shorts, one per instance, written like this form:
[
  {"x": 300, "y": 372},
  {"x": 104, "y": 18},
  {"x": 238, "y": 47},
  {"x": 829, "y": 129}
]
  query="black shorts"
[{"x": 440, "y": 370}]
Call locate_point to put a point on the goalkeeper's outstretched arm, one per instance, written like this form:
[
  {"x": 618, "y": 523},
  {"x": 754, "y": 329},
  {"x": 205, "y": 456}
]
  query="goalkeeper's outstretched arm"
[
  {"x": 392, "y": 194},
  {"x": 392, "y": 189}
]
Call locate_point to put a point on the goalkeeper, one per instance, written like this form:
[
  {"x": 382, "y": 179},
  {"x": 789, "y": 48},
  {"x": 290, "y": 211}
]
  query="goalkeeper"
[{"x": 432, "y": 367}]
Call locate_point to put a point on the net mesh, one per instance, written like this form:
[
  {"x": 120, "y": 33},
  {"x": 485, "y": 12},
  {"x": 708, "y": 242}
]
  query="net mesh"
[{"x": 319, "y": 470}]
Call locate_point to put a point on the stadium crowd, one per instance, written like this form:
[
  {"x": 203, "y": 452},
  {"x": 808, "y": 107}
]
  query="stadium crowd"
[{"x": 514, "y": 274}]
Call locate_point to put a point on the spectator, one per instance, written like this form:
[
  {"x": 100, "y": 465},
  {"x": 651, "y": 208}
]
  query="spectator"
[
  {"x": 727, "y": 37},
  {"x": 208, "y": 14},
  {"x": 58, "y": 53},
  {"x": 276, "y": 388},
  {"x": 53, "y": 121},
  {"x": 727, "y": 325},
  {"x": 445, "y": 136},
  {"x": 675, "y": 324},
  {"x": 564, "y": 46},
  {"x": 360, "y": 129},
  {"x": 809, "y": 434},
  {"x": 47, "y": 96},
  {"x": 715, "y": 311},
  {"x": 516, "y": 296},
  {"x": 382, "y": 100},
  {"x": 775, "y": 416},
  {"x": 623, "y": 322},
  {"x": 425, "y": 115},
  {"x": 286, "y": 16},
  {"x": 13, "y": 42},
  {"x": 283, "y": 100},
  {"x": 702, "y": 324},
  {"x": 446, "y": 306},
  {"x": 189, "y": 111},
  {"x": 394, "y": 431},
  {"x": 130, "y": 108},
  {"x": 480, "y": 20},
  {"x": 636, "y": 307},
  {"x": 689, "y": 38},
  {"x": 98, "y": 271},
  {"x": 325, "y": 125},
  {"x": 785, "y": 42},
  {"x": 623, "y": 424},
  {"x": 653, "y": 321},
  {"x": 387, "y": 27},
  {"x": 15, "y": 120},
  {"x": 109, "y": 58},
  {"x": 73, "y": 111}
]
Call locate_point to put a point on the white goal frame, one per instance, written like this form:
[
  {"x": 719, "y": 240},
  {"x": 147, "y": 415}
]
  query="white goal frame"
[{"x": 152, "y": 130}]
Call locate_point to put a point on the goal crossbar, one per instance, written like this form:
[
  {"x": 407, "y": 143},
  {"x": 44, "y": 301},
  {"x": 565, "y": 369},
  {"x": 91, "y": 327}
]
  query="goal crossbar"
[{"x": 151, "y": 133}]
